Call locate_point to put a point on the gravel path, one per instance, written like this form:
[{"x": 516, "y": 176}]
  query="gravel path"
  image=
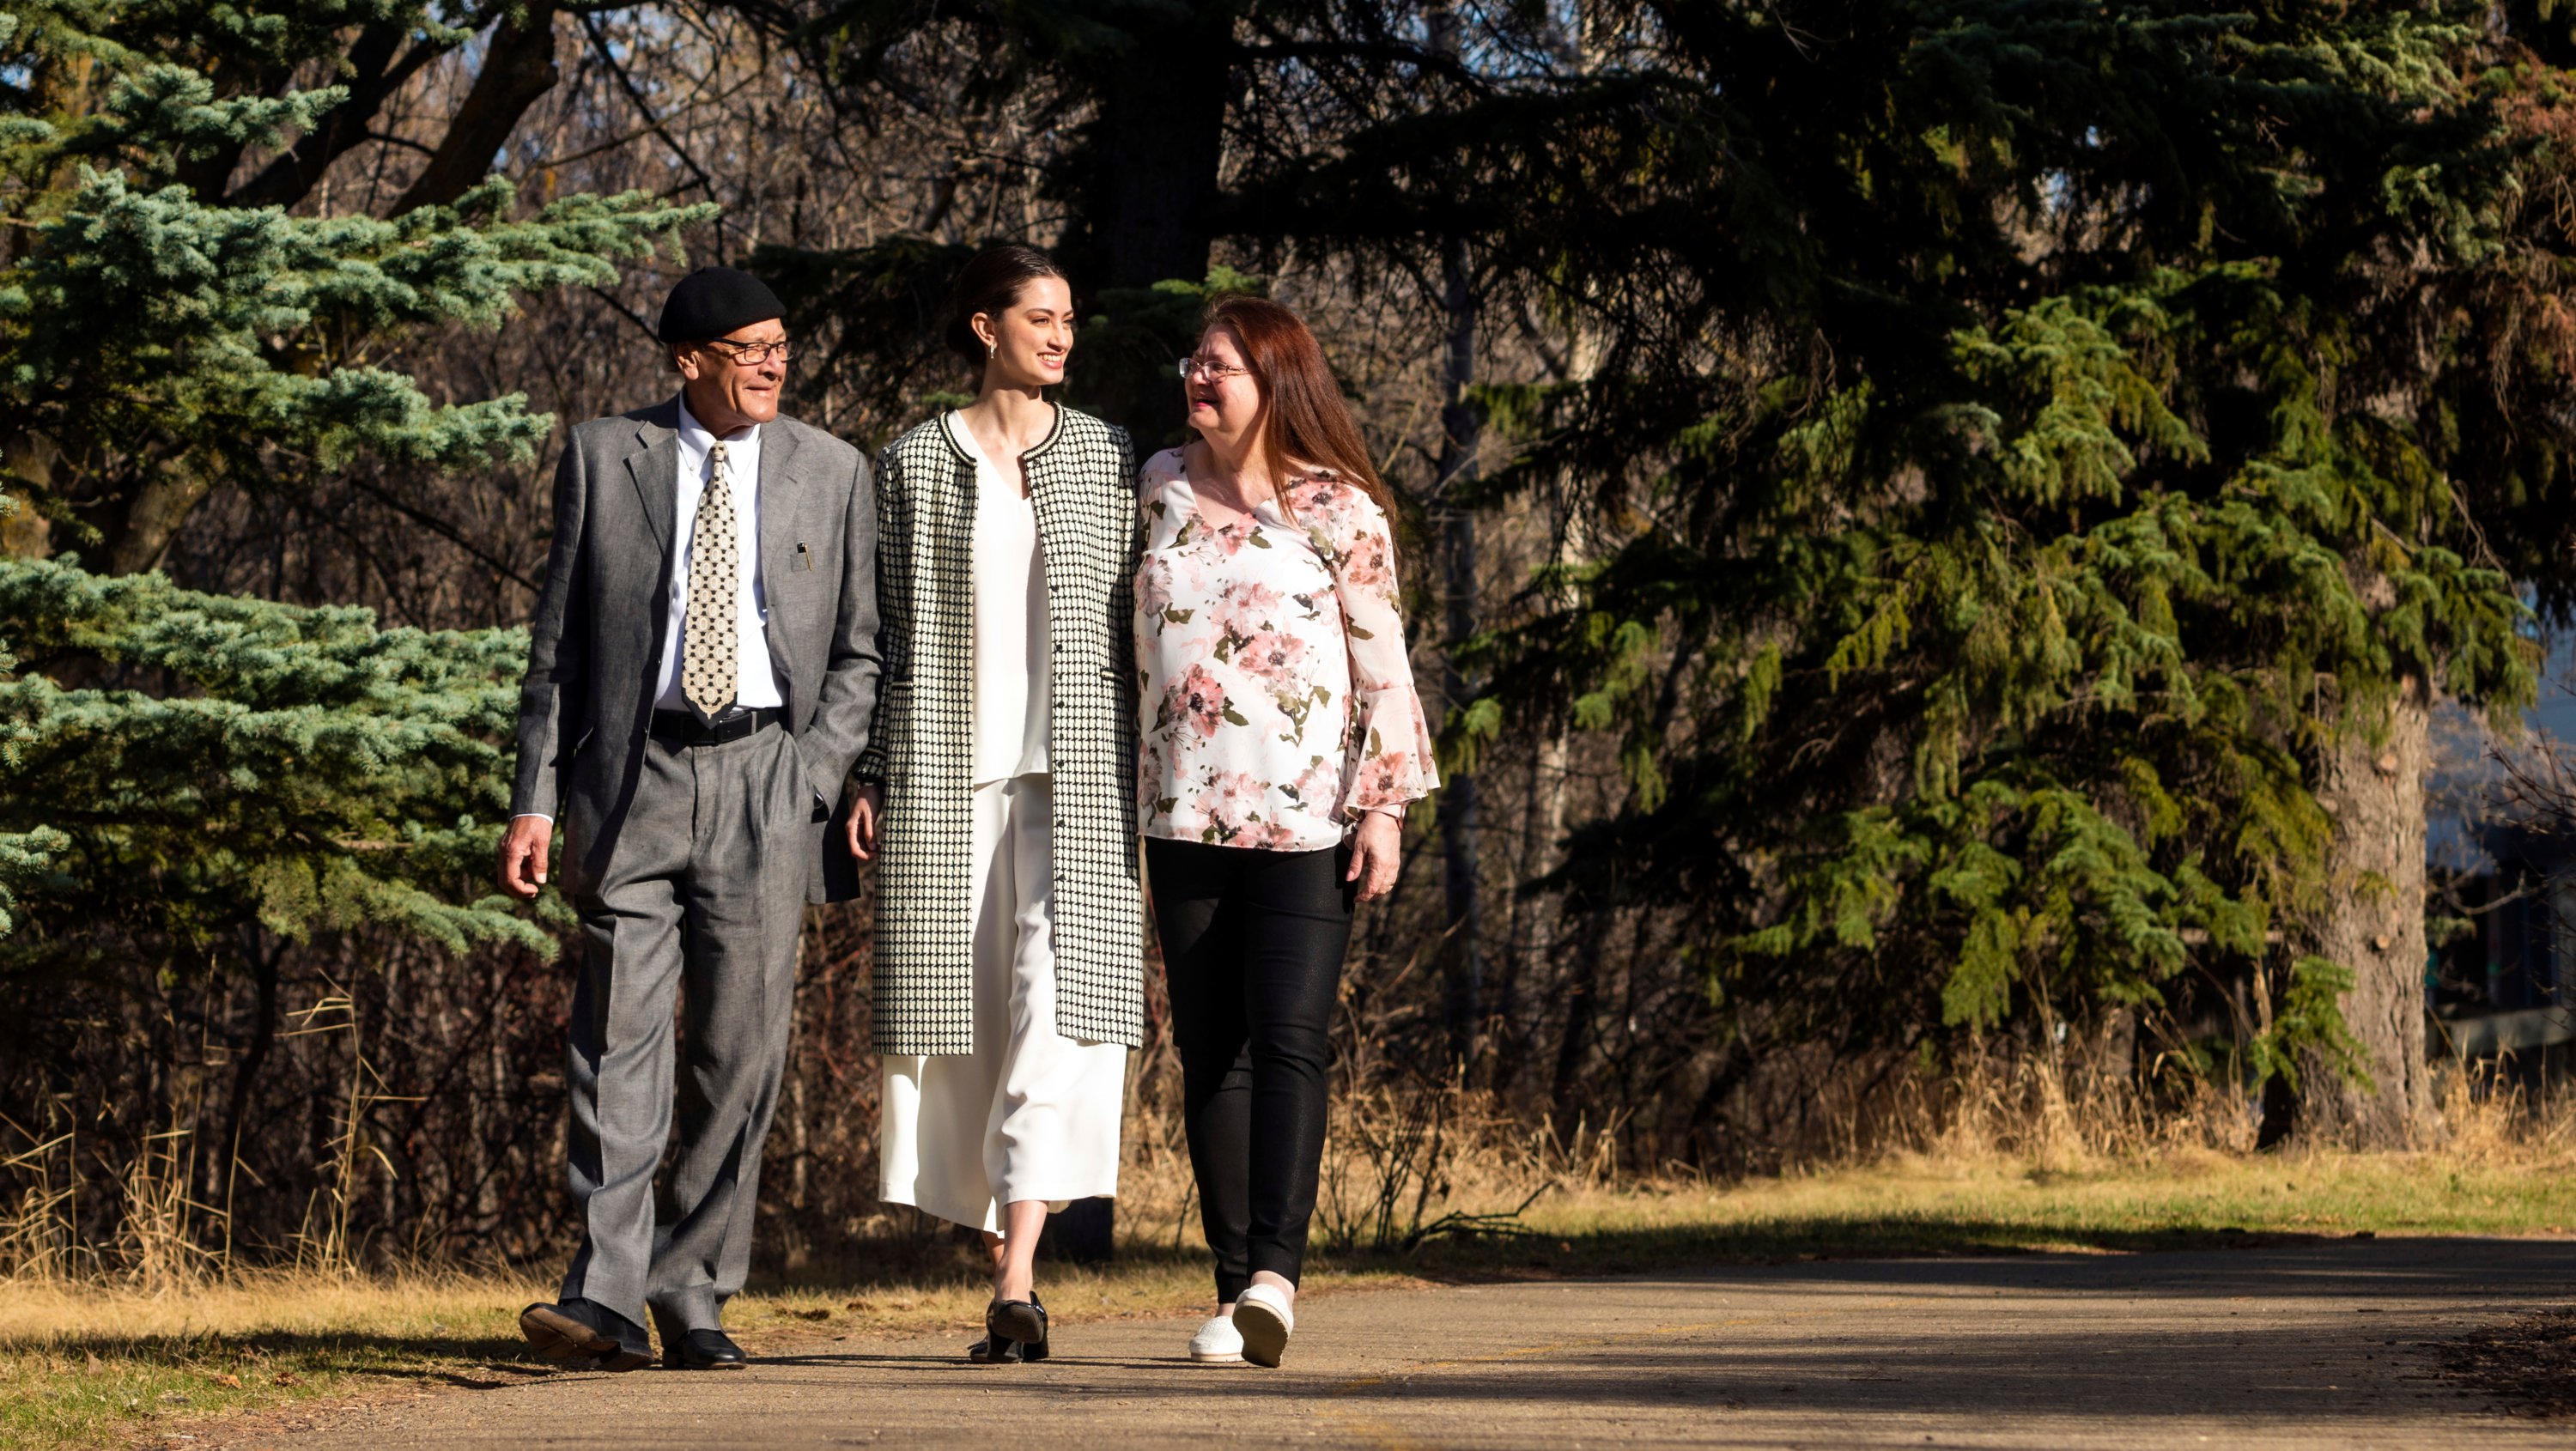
[{"x": 2328, "y": 1345}]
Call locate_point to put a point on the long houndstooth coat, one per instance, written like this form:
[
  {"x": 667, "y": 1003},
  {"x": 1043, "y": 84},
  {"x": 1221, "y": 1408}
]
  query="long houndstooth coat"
[{"x": 1082, "y": 480}]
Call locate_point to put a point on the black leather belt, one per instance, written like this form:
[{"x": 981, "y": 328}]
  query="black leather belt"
[{"x": 683, "y": 728}]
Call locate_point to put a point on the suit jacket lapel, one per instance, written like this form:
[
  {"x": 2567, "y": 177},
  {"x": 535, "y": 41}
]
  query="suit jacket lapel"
[
  {"x": 780, "y": 492},
  {"x": 655, "y": 468}
]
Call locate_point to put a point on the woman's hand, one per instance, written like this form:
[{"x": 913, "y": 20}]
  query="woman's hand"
[
  {"x": 1374, "y": 853},
  {"x": 864, "y": 811}
]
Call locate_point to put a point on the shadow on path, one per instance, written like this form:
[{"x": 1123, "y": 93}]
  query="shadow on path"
[{"x": 1956, "y": 1258}]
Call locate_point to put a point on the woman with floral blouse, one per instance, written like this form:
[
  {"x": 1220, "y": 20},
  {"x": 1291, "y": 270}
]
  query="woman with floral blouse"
[{"x": 1282, "y": 742}]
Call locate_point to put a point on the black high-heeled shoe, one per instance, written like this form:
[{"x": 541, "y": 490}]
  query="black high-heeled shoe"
[
  {"x": 994, "y": 1350},
  {"x": 1024, "y": 1321}
]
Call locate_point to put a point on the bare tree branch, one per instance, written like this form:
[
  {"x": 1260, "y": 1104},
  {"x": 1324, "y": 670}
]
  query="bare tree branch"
[{"x": 518, "y": 67}]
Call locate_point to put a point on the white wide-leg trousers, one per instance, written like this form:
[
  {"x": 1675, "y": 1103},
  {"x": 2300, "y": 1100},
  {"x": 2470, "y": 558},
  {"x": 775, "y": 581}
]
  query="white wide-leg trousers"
[{"x": 1030, "y": 1114}]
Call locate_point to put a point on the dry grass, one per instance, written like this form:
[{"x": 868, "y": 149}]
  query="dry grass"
[
  {"x": 1434, "y": 1184},
  {"x": 96, "y": 1365}
]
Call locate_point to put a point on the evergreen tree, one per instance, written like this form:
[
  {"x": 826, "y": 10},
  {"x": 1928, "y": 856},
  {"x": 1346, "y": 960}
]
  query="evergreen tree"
[
  {"x": 294, "y": 770},
  {"x": 2038, "y": 518},
  {"x": 188, "y": 782},
  {"x": 295, "y": 767},
  {"x": 163, "y": 332},
  {"x": 2027, "y": 464}
]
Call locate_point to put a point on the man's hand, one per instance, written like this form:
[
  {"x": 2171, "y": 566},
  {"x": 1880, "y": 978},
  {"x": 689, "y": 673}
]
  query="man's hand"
[
  {"x": 1375, "y": 853},
  {"x": 523, "y": 855},
  {"x": 864, "y": 811}
]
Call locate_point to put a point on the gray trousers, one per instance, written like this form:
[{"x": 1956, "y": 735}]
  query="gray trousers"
[{"x": 703, "y": 890}]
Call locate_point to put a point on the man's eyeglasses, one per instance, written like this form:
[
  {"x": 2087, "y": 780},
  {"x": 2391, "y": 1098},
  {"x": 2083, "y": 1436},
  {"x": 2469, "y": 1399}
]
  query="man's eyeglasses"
[
  {"x": 1213, "y": 371},
  {"x": 752, "y": 355}
]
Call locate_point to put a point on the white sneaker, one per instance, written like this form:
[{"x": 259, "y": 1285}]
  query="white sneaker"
[
  {"x": 1263, "y": 1319},
  {"x": 1217, "y": 1343}
]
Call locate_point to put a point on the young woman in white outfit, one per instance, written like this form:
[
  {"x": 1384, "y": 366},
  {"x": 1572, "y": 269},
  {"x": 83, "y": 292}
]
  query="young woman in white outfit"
[{"x": 1009, "y": 920}]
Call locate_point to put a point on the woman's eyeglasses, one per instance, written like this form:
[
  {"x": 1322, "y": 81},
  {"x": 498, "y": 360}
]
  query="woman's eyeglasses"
[{"x": 1214, "y": 372}]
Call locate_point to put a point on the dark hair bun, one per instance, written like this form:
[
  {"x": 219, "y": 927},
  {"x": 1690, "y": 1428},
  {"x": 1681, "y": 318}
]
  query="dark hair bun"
[{"x": 990, "y": 284}]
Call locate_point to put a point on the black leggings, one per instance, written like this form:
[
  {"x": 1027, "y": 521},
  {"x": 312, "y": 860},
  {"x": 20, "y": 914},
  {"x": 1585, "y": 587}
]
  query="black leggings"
[{"x": 1252, "y": 950}]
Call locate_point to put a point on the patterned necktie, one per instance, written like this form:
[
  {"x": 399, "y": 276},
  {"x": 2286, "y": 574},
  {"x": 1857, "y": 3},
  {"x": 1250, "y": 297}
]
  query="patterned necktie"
[{"x": 715, "y": 577}]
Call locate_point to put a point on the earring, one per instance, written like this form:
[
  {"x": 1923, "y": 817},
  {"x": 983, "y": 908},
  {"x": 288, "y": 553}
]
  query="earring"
[{"x": 992, "y": 350}]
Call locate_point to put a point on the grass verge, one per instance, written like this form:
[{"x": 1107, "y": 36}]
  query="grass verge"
[{"x": 85, "y": 1366}]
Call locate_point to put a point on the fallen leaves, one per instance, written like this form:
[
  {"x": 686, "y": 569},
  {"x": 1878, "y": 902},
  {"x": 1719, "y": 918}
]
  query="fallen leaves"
[{"x": 2529, "y": 1362}]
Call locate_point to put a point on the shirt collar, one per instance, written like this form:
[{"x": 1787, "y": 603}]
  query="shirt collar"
[{"x": 698, "y": 439}]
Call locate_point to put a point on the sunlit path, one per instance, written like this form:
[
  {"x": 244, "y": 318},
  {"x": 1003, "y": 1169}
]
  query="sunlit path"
[{"x": 2324, "y": 1345}]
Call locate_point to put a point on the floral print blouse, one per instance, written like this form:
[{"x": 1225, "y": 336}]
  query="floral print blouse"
[{"x": 1278, "y": 704}]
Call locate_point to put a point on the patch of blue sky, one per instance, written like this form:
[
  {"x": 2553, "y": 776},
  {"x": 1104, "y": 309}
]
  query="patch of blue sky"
[{"x": 2460, "y": 786}]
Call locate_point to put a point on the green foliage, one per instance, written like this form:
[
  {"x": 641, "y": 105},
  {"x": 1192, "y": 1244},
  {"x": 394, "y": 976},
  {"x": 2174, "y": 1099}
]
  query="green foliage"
[
  {"x": 156, "y": 340},
  {"x": 2026, "y": 437},
  {"x": 296, "y": 768},
  {"x": 182, "y": 773},
  {"x": 2310, "y": 1017},
  {"x": 203, "y": 295}
]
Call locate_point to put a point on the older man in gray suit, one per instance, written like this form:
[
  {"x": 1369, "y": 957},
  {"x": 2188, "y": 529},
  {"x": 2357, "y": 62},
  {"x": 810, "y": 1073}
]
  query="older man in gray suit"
[{"x": 701, "y": 674}]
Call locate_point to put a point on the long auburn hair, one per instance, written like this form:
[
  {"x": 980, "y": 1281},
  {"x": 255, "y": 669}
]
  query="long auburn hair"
[{"x": 1304, "y": 419}]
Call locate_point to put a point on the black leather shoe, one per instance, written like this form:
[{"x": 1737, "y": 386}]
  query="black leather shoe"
[
  {"x": 702, "y": 1350},
  {"x": 686, "y": 1349},
  {"x": 585, "y": 1335},
  {"x": 1022, "y": 1320}
]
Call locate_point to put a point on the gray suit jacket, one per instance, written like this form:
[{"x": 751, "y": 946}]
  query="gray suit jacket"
[{"x": 596, "y": 644}]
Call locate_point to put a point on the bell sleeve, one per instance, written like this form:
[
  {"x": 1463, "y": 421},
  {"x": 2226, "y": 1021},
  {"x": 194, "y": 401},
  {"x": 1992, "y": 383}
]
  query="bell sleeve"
[{"x": 1388, "y": 762}]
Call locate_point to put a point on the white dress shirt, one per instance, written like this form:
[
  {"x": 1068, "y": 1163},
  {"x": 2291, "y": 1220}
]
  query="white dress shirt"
[{"x": 754, "y": 683}]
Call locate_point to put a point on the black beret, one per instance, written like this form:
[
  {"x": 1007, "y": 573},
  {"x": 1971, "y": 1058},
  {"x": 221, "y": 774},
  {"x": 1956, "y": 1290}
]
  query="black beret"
[{"x": 713, "y": 301}]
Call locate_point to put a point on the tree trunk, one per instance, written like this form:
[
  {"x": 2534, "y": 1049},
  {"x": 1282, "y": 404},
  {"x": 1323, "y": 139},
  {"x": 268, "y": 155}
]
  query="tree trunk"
[
  {"x": 1161, "y": 136},
  {"x": 373, "y": 73},
  {"x": 1147, "y": 190},
  {"x": 2373, "y": 785},
  {"x": 1460, "y": 432},
  {"x": 1565, "y": 1092},
  {"x": 1535, "y": 922},
  {"x": 154, "y": 510},
  {"x": 218, "y": 1161},
  {"x": 1083, "y": 1232},
  {"x": 518, "y": 67}
]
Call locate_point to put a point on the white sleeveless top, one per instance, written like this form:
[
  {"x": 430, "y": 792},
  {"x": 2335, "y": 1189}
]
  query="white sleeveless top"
[{"x": 1011, "y": 681}]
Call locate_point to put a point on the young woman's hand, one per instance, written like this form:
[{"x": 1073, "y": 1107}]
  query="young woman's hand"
[
  {"x": 864, "y": 811},
  {"x": 1374, "y": 853}
]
